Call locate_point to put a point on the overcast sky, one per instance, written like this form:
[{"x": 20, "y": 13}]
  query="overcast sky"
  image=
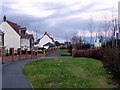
[{"x": 60, "y": 18}]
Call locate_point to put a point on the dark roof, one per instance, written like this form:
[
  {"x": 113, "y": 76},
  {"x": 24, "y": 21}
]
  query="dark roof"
[{"x": 48, "y": 44}]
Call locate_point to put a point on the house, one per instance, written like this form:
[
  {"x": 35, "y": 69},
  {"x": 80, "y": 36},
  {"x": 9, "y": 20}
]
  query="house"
[
  {"x": 16, "y": 36},
  {"x": 98, "y": 42},
  {"x": 1, "y": 45},
  {"x": 47, "y": 45},
  {"x": 118, "y": 35},
  {"x": 45, "y": 41}
]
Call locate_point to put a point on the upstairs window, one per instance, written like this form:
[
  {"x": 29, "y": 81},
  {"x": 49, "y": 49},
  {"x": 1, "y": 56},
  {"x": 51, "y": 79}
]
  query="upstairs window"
[{"x": 19, "y": 31}]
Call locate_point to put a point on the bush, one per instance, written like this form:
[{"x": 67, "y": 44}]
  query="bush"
[{"x": 110, "y": 57}]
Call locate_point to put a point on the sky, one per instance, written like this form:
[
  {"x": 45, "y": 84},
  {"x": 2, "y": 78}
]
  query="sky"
[{"x": 61, "y": 19}]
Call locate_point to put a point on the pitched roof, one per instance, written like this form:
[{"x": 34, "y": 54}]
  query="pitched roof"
[
  {"x": 24, "y": 28},
  {"x": 48, "y": 44},
  {"x": 26, "y": 35},
  {"x": 49, "y": 36},
  {"x": 13, "y": 25},
  {"x": 30, "y": 35},
  {"x": 43, "y": 36}
]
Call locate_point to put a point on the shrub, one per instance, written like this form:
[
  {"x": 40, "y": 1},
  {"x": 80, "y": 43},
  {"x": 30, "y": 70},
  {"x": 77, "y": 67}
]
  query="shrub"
[{"x": 110, "y": 57}]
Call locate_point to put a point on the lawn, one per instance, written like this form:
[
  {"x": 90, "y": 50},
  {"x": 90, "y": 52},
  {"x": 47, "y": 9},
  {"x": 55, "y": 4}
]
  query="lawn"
[
  {"x": 67, "y": 73},
  {"x": 64, "y": 52}
]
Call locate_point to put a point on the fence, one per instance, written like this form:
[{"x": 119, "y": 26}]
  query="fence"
[
  {"x": 12, "y": 55},
  {"x": 16, "y": 55},
  {"x": 46, "y": 52}
]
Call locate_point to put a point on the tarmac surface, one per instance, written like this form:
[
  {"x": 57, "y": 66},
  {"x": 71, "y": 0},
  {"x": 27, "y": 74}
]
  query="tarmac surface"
[{"x": 12, "y": 76}]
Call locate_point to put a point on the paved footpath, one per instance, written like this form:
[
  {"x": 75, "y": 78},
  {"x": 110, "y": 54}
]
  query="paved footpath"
[{"x": 12, "y": 76}]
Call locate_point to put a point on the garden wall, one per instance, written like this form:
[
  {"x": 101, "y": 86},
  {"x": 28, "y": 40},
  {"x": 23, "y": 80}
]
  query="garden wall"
[{"x": 22, "y": 55}]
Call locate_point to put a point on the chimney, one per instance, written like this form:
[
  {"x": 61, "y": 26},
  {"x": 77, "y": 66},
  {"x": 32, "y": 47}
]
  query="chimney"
[
  {"x": 45, "y": 33},
  {"x": 4, "y": 18}
]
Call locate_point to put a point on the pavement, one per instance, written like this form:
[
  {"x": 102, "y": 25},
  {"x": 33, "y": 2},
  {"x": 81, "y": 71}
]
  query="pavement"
[{"x": 12, "y": 76}]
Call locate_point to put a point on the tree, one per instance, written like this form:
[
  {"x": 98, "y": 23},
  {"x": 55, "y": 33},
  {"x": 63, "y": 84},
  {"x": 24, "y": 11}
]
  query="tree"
[
  {"x": 74, "y": 41},
  {"x": 106, "y": 27},
  {"x": 83, "y": 35},
  {"x": 77, "y": 41},
  {"x": 91, "y": 29}
]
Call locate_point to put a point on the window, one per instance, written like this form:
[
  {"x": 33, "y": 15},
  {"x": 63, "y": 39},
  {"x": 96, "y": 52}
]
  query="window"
[{"x": 19, "y": 31}]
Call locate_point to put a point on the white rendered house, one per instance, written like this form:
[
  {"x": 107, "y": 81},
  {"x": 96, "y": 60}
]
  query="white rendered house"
[
  {"x": 98, "y": 42},
  {"x": 16, "y": 36},
  {"x": 11, "y": 38},
  {"x": 45, "y": 39}
]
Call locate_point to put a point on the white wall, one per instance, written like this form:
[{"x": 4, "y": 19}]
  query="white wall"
[
  {"x": 11, "y": 37},
  {"x": 25, "y": 43},
  {"x": 97, "y": 43},
  {"x": 0, "y": 38},
  {"x": 44, "y": 40},
  {"x": 46, "y": 47}
]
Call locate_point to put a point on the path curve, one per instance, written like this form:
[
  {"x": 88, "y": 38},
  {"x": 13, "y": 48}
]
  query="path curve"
[{"x": 12, "y": 76}]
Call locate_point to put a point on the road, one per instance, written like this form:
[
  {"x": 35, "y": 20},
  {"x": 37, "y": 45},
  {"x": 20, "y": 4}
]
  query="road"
[{"x": 12, "y": 76}]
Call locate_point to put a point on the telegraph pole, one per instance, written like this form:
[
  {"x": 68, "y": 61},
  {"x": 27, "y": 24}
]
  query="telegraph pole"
[{"x": 36, "y": 34}]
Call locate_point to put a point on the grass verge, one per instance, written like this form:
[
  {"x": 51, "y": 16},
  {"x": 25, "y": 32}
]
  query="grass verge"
[
  {"x": 64, "y": 52},
  {"x": 67, "y": 73}
]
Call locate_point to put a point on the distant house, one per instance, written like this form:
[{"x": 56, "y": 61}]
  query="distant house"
[
  {"x": 98, "y": 42},
  {"x": 16, "y": 36},
  {"x": 57, "y": 43},
  {"x": 1, "y": 45},
  {"x": 47, "y": 45},
  {"x": 118, "y": 35},
  {"x": 45, "y": 41}
]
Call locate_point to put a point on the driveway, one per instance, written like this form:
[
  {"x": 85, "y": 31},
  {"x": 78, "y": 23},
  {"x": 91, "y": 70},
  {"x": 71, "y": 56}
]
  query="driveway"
[{"x": 12, "y": 76}]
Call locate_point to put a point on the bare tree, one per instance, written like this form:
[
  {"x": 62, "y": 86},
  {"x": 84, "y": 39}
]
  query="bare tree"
[
  {"x": 74, "y": 41},
  {"x": 84, "y": 34},
  {"x": 113, "y": 30},
  {"x": 106, "y": 27},
  {"x": 77, "y": 41},
  {"x": 91, "y": 29}
]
